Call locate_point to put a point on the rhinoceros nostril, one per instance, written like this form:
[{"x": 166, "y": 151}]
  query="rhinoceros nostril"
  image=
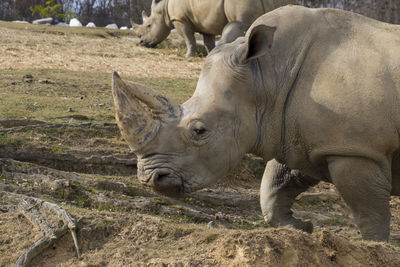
[
  {"x": 158, "y": 178},
  {"x": 166, "y": 182}
]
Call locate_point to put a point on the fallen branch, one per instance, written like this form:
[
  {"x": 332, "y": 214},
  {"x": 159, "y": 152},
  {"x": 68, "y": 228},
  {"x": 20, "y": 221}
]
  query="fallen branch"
[{"x": 46, "y": 217}]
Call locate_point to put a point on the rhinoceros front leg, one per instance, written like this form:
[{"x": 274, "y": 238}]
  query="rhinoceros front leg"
[
  {"x": 187, "y": 33},
  {"x": 279, "y": 188},
  {"x": 365, "y": 186},
  {"x": 209, "y": 42}
]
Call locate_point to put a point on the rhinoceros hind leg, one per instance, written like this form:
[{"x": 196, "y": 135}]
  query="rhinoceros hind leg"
[
  {"x": 365, "y": 186},
  {"x": 209, "y": 42},
  {"x": 279, "y": 188},
  {"x": 187, "y": 33}
]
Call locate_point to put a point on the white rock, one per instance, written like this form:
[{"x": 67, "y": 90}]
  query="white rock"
[
  {"x": 211, "y": 224},
  {"x": 63, "y": 24},
  {"x": 123, "y": 28},
  {"x": 112, "y": 26},
  {"x": 91, "y": 25},
  {"x": 75, "y": 23},
  {"x": 43, "y": 21}
]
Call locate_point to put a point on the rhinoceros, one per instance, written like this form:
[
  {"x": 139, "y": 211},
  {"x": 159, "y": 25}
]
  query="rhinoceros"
[
  {"x": 315, "y": 91},
  {"x": 232, "y": 31},
  {"x": 207, "y": 17}
]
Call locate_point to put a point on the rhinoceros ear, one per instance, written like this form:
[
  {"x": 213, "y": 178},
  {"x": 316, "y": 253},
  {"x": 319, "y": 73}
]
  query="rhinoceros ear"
[
  {"x": 139, "y": 111},
  {"x": 259, "y": 41}
]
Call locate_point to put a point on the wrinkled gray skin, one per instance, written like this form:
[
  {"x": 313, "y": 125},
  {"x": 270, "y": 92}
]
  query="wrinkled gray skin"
[
  {"x": 207, "y": 17},
  {"x": 232, "y": 31},
  {"x": 317, "y": 90}
]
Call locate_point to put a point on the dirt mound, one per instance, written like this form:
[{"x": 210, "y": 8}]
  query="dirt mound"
[
  {"x": 121, "y": 223},
  {"x": 146, "y": 241}
]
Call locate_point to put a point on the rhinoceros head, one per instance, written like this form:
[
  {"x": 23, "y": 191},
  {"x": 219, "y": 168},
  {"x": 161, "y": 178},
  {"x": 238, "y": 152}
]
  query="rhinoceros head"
[
  {"x": 154, "y": 28},
  {"x": 182, "y": 148}
]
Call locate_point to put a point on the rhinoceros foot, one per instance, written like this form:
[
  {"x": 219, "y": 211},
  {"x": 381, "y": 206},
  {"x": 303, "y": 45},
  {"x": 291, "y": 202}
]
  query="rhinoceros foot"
[{"x": 305, "y": 226}]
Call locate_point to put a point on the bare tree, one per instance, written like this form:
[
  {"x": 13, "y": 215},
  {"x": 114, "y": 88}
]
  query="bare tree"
[{"x": 103, "y": 12}]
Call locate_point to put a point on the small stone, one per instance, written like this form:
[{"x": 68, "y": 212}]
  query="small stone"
[
  {"x": 112, "y": 26},
  {"x": 27, "y": 78},
  {"x": 47, "y": 81},
  {"x": 211, "y": 224}
]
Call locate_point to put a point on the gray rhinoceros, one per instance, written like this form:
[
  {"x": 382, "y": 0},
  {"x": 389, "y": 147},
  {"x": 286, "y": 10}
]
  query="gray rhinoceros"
[
  {"x": 207, "y": 17},
  {"x": 315, "y": 89},
  {"x": 232, "y": 31}
]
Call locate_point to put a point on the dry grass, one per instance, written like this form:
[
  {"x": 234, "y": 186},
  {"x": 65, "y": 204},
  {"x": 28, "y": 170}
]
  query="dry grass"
[
  {"x": 78, "y": 63},
  {"x": 89, "y": 50}
]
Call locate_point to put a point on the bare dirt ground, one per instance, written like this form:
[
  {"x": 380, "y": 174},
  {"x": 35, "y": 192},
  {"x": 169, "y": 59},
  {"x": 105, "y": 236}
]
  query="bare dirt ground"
[{"x": 59, "y": 143}]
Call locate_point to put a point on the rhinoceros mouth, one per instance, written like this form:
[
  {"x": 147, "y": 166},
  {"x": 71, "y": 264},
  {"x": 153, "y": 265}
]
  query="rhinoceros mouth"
[
  {"x": 167, "y": 183},
  {"x": 147, "y": 44}
]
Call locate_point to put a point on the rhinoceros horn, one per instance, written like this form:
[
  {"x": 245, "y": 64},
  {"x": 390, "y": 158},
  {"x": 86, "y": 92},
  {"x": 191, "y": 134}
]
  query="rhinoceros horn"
[
  {"x": 144, "y": 16},
  {"x": 140, "y": 111}
]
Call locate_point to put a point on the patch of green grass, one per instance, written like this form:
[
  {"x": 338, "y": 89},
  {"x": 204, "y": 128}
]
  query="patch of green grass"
[
  {"x": 16, "y": 141},
  {"x": 59, "y": 194},
  {"x": 304, "y": 205},
  {"x": 6, "y": 179},
  {"x": 177, "y": 207},
  {"x": 159, "y": 201},
  {"x": 395, "y": 243},
  {"x": 56, "y": 150},
  {"x": 83, "y": 202},
  {"x": 90, "y": 190},
  {"x": 336, "y": 221},
  {"x": 108, "y": 222},
  {"x": 73, "y": 93},
  {"x": 210, "y": 238},
  {"x": 12, "y": 202}
]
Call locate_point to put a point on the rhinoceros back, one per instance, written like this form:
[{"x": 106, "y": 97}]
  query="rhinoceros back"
[{"x": 210, "y": 16}]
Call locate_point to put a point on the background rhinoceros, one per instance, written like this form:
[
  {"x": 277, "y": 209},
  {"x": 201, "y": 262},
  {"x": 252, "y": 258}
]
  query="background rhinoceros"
[
  {"x": 315, "y": 89},
  {"x": 207, "y": 17}
]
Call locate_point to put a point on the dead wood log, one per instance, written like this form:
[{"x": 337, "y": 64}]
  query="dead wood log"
[{"x": 50, "y": 219}]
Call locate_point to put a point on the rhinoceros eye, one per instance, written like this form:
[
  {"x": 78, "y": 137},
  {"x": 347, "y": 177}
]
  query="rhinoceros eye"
[
  {"x": 199, "y": 134},
  {"x": 200, "y": 131}
]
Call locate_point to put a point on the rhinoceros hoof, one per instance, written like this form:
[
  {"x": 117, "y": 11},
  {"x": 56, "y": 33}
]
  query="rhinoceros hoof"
[{"x": 305, "y": 226}]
